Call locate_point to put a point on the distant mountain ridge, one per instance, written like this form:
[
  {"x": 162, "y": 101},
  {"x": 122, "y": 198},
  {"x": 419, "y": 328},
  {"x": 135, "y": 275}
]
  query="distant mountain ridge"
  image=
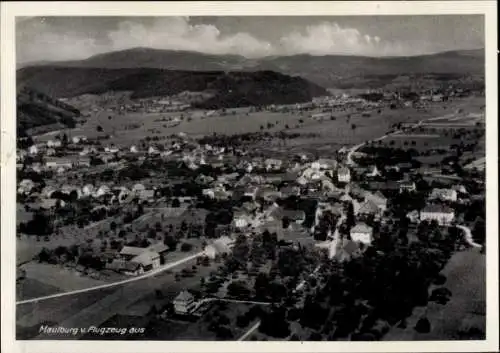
[{"x": 326, "y": 70}]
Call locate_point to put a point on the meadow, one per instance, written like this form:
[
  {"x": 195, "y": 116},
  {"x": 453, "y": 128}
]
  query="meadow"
[
  {"x": 129, "y": 128},
  {"x": 464, "y": 316}
]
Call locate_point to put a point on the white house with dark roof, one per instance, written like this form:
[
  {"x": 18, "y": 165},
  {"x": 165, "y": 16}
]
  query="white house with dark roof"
[
  {"x": 344, "y": 175},
  {"x": 184, "y": 303},
  {"x": 362, "y": 233},
  {"x": 442, "y": 214}
]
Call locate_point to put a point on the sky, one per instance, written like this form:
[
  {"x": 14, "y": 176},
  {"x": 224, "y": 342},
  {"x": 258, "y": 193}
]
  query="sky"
[{"x": 72, "y": 38}]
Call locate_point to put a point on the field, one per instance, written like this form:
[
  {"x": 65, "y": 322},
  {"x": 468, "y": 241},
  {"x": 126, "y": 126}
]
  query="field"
[
  {"x": 57, "y": 277},
  {"x": 129, "y": 128},
  {"x": 464, "y": 316},
  {"x": 96, "y": 307}
]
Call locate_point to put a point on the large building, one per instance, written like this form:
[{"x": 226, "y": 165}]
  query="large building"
[{"x": 442, "y": 214}]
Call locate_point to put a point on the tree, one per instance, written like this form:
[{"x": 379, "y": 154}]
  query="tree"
[
  {"x": 176, "y": 203},
  {"x": 423, "y": 325},
  {"x": 353, "y": 127},
  {"x": 285, "y": 222},
  {"x": 274, "y": 323},
  {"x": 185, "y": 247},
  {"x": 171, "y": 242},
  {"x": 242, "y": 321},
  {"x": 99, "y": 128},
  {"x": 238, "y": 289}
]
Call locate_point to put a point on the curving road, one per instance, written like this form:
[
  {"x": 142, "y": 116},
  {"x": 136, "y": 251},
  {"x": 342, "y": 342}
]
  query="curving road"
[
  {"x": 353, "y": 149},
  {"x": 114, "y": 284},
  {"x": 468, "y": 236}
]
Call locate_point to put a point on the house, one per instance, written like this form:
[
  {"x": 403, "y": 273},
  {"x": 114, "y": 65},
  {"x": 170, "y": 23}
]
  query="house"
[
  {"x": 290, "y": 191},
  {"x": 277, "y": 213},
  {"x": 459, "y": 189},
  {"x": 210, "y": 193},
  {"x": 413, "y": 216},
  {"x": 33, "y": 150},
  {"x": 25, "y": 186},
  {"x": 83, "y": 162},
  {"x": 442, "y": 214},
  {"x": 273, "y": 164},
  {"x": 312, "y": 174},
  {"x": 50, "y": 152},
  {"x": 59, "y": 163},
  {"x": 137, "y": 188},
  {"x": 344, "y": 175},
  {"x": 407, "y": 186},
  {"x": 129, "y": 252},
  {"x": 324, "y": 164},
  {"x": 251, "y": 192},
  {"x": 345, "y": 250},
  {"x": 194, "y": 216},
  {"x": 111, "y": 149},
  {"x": 368, "y": 208},
  {"x": 48, "y": 204},
  {"x": 133, "y": 269},
  {"x": 378, "y": 199},
  {"x": 54, "y": 143},
  {"x": 134, "y": 149},
  {"x": 159, "y": 248},
  {"x": 220, "y": 246},
  {"x": 103, "y": 190},
  {"x": 148, "y": 259},
  {"x": 375, "y": 172},
  {"x": 269, "y": 194},
  {"x": 153, "y": 150},
  {"x": 147, "y": 195},
  {"x": 184, "y": 303},
  {"x": 77, "y": 139},
  {"x": 88, "y": 190},
  {"x": 297, "y": 216},
  {"x": 362, "y": 233},
  {"x": 241, "y": 219},
  {"x": 443, "y": 195}
]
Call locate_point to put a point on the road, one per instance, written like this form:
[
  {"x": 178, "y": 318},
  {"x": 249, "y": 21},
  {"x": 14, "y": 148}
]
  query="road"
[
  {"x": 114, "y": 284},
  {"x": 353, "y": 149},
  {"x": 131, "y": 299},
  {"x": 468, "y": 236}
]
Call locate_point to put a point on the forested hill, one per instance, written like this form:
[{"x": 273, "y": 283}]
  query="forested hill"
[
  {"x": 35, "y": 109},
  {"x": 225, "y": 89}
]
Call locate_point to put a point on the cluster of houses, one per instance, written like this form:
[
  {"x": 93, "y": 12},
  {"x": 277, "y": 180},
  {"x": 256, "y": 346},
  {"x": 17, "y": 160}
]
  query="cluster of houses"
[{"x": 261, "y": 183}]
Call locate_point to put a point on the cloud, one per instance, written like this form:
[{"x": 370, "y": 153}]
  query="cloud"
[
  {"x": 330, "y": 38},
  {"x": 179, "y": 34},
  {"x": 39, "y": 40}
]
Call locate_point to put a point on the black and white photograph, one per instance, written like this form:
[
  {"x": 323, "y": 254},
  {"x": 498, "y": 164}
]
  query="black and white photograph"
[{"x": 251, "y": 178}]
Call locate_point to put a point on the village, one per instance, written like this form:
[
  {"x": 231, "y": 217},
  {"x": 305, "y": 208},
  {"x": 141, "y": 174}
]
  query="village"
[{"x": 108, "y": 213}]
